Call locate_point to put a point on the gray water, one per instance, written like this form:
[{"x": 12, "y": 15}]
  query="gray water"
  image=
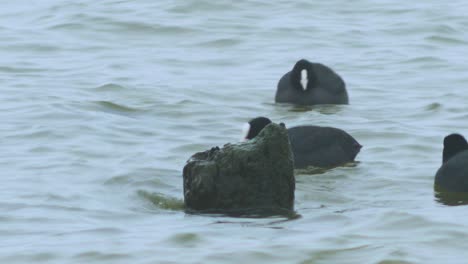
[{"x": 102, "y": 103}]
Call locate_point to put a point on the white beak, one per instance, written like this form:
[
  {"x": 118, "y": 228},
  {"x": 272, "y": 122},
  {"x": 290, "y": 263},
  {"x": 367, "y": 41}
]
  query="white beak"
[
  {"x": 304, "y": 79},
  {"x": 245, "y": 132}
]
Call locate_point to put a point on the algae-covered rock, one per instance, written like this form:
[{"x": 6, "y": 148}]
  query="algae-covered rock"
[{"x": 253, "y": 176}]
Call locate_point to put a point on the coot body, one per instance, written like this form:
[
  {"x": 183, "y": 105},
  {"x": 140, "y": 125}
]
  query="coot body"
[
  {"x": 452, "y": 176},
  {"x": 313, "y": 145},
  {"x": 310, "y": 84}
]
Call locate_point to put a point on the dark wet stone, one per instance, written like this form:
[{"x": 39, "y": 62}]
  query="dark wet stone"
[{"x": 255, "y": 176}]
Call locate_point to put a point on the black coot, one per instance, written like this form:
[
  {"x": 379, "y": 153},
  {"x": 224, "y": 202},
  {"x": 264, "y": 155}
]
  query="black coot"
[
  {"x": 452, "y": 175},
  {"x": 313, "y": 145},
  {"x": 311, "y": 83}
]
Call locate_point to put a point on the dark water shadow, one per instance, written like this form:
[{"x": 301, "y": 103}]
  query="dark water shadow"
[
  {"x": 165, "y": 202},
  {"x": 323, "y": 108},
  {"x": 252, "y": 213},
  {"x": 269, "y": 222},
  {"x": 450, "y": 198},
  {"x": 311, "y": 170}
]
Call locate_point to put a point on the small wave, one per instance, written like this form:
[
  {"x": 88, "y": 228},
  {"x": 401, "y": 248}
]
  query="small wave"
[
  {"x": 67, "y": 26},
  {"x": 102, "y": 231},
  {"x": 194, "y": 6},
  {"x": 111, "y": 24},
  {"x": 445, "y": 29},
  {"x": 114, "y": 107},
  {"x": 109, "y": 87},
  {"x": 130, "y": 27},
  {"x": 39, "y": 133},
  {"x": 433, "y": 107},
  {"x": 8, "y": 69},
  {"x": 138, "y": 27},
  {"x": 446, "y": 40},
  {"x": 221, "y": 43},
  {"x": 96, "y": 255},
  {"x": 398, "y": 11},
  {"x": 190, "y": 147},
  {"x": 119, "y": 180},
  {"x": 34, "y": 257},
  {"x": 130, "y": 180},
  {"x": 424, "y": 59},
  {"x": 39, "y": 47},
  {"x": 148, "y": 177}
]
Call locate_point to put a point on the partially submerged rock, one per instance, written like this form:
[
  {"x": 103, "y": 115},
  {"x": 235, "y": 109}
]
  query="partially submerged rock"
[{"x": 250, "y": 177}]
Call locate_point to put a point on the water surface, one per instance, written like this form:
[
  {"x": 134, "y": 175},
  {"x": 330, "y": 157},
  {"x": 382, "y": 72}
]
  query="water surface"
[{"x": 102, "y": 103}]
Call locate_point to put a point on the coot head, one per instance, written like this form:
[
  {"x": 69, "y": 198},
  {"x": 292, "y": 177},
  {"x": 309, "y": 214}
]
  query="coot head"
[
  {"x": 453, "y": 144},
  {"x": 254, "y": 126},
  {"x": 303, "y": 76}
]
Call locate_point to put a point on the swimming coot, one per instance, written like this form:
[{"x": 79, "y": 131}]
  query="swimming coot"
[
  {"x": 452, "y": 175},
  {"x": 313, "y": 145},
  {"x": 311, "y": 83}
]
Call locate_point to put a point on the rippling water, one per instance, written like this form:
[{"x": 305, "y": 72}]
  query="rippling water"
[{"x": 102, "y": 102}]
